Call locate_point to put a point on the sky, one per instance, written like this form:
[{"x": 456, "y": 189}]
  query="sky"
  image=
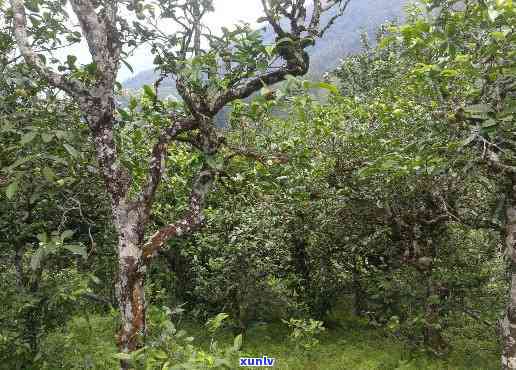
[{"x": 227, "y": 13}]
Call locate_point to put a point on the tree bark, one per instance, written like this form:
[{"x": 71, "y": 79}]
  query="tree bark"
[
  {"x": 97, "y": 102},
  {"x": 358, "y": 292},
  {"x": 300, "y": 260},
  {"x": 432, "y": 334},
  {"x": 131, "y": 274},
  {"x": 509, "y": 321}
]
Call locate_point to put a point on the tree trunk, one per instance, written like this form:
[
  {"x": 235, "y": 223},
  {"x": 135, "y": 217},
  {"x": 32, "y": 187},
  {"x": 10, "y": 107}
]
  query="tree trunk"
[
  {"x": 509, "y": 321},
  {"x": 130, "y": 287},
  {"x": 300, "y": 260},
  {"x": 432, "y": 333},
  {"x": 179, "y": 266},
  {"x": 358, "y": 292}
]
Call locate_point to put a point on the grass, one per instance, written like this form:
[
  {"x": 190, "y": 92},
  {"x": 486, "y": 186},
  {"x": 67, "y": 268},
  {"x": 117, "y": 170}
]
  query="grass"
[{"x": 354, "y": 345}]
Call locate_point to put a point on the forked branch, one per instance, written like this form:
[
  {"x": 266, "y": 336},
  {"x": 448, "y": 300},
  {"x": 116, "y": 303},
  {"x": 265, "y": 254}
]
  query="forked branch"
[{"x": 190, "y": 222}]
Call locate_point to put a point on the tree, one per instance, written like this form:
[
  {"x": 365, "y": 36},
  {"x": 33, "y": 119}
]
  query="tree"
[
  {"x": 464, "y": 58},
  {"x": 43, "y": 227},
  {"x": 234, "y": 66}
]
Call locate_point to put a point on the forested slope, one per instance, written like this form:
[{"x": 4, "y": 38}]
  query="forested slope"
[
  {"x": 372, "y": 229},
  {"x": 362, "y": 17}
]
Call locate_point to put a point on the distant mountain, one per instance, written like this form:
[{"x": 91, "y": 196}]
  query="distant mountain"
[
  {"x": 344, "y": 38},
  {"x": 362, "y": 16}
]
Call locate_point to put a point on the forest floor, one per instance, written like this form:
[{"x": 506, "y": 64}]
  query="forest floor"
[
  {"x": 354, "y": 345},
  {"x": 362, "y": 349},
  {"x": 348, "y": 344}
]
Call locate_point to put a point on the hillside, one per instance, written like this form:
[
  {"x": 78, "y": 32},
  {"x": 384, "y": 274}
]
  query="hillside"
[
  {"x": 368, "y": 223},
  {"x": 344, "y": 38}
]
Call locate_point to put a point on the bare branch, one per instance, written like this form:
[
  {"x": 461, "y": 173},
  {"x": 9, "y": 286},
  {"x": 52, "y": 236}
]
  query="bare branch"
[
  {"x": 344, "y": 5},
  {"x": 272, "y": 20},
  {"x": 436, "y": 220},
  {"x": 313, "y": 27}
]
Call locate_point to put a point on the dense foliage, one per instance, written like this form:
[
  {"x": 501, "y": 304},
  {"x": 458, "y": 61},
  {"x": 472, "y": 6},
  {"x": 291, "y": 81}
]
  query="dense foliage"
[{"x": 375, "y": 207}]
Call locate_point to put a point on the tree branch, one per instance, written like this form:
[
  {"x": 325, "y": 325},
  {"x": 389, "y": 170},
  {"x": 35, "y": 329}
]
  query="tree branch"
[
  {"x": 495, "y": 161},
  {"x": 190, "y": 222},
  {"x": 69, "y": 85},
  {"x": 159, "y": 155},
  {"x": 272, "y": 20},
  {"x": 254, "y": 155},
  {"x": 101, "y": 36},
  {"x": 344, "y": 5},
  {"x": 255, "y": 85}
]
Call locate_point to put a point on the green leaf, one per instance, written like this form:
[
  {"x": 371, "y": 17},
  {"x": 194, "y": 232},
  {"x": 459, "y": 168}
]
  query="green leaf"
[
  {"x": 28, "y": 137},
  {"x": 37, "y": 257},
  {"x": 478, "y": 108},
  {"x": 95, "y": 279},
  {"x": 285, "y": 40},
  {"x": 129, "y": 67},
  {"x": 77, "y": 249},
  {"x": 237, "y": 343},
  {"x": 489, "y": 123},
  {"x": 60, "y": 134},
  {"x": 449, "y": 72},
  {"x": 222, "y": 362},
  {"x": 71, "y": 150},
  {"x": 269, "y": 49},
  {"x": 386, "y": 41},
  {"x": 11, "y": 189},
  {"x": 47, "y": 138},
  {"x": 160, "y": 355},
  {"x": 124, "y": 114},
  {"x": 123, "y": 356},
  {"x": 19, "y": 162},
  {"x": 213, "y": 162},
  {"x": 48, "y": 173},
  {"x": 499, "y": 36},
  {"x": 327, "y": 86},
  {"x": 215, "y": 323},
  {"x": 70, "y": 60},
  {"x": 149, "y": 92},
  {"x": 67, "y": 234},
  {"x": 32, "y": 5},
  {"x": 34, "y": 197},
  {"x": 133, "y": 103},
  {"x": 307, "y": 41},
  {"x": 42, "y": 237},
  {"x": 434, "y": 299},
  {"x": 91, "y": 68},
  {"x": 43, "y": 58}
]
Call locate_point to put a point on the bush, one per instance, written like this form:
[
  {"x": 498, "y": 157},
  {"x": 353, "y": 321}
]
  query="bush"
[{"x": 86, "y": 342}]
